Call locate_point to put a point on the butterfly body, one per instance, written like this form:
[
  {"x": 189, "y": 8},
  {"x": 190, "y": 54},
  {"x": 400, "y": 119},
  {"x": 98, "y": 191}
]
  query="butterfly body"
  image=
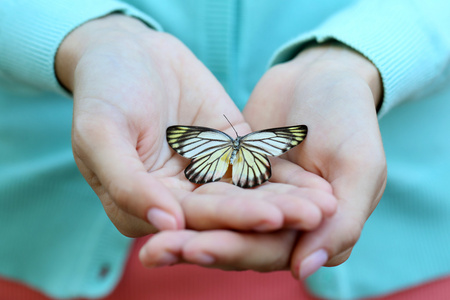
[
  {"x": 236, "y": 146},
  {"x": 212, "y": 151}
]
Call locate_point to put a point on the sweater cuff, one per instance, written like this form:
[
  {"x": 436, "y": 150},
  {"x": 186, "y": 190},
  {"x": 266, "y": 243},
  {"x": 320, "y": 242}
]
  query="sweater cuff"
[
  {"x": 391, "y": 35},
  {"x": 31, "y": 32}
]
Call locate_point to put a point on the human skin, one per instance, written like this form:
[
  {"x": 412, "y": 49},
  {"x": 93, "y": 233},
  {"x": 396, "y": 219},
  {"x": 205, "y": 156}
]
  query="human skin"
[
  {"x": 335, "y": 91},
  {"x": 130, "y": 82}
]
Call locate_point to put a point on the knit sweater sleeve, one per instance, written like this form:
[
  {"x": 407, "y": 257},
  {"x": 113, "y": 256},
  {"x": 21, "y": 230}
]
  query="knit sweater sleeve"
[
  {"x": 31, "y": 32},
  {"x": 407, "y": 40}
]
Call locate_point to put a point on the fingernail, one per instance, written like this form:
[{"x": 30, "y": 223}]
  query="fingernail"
[
  {"x": 203, "y": 259},
  {"x": 312, "y": 263},
  {"x": 264, "y": 227},
  {"x": 166, "y": 259},
  {"x": 161, "y": 220}
]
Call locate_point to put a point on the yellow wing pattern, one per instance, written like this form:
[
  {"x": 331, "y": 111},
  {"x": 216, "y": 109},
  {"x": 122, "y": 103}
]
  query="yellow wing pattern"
[
  {"x": 209, "y": 149},
  {"x": 251, "y": 166},
  {"x": 212, "y": 151}
]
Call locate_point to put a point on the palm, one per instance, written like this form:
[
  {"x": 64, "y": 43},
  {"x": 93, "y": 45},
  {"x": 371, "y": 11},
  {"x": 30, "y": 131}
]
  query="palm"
[
  {"x": 343, "y": 144},
  {"x": 121, "y": 112}
]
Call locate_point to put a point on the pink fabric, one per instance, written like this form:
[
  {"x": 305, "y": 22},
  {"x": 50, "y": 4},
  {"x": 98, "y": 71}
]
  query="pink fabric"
[{"x": 191, "y": 282}]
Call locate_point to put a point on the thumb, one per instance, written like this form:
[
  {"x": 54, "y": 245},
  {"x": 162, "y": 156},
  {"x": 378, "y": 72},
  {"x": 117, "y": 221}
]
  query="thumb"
[
  {"x": 132, "y": 197},
  {"x": 329, "y": 245},
  {"x": 332, "y": 242}
]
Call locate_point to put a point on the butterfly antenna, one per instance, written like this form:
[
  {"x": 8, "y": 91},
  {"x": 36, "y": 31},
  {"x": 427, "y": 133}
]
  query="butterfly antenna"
[{"x": 237, "y": 135}]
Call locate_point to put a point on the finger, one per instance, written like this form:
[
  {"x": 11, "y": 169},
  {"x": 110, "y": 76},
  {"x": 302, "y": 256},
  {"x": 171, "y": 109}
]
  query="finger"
[
  {"x": 332, "y": 243},
  {"x": 110, "y": 154},
  {"x": 296, "y": 205},
  {"x": 126, "y": 223},
  {"x": 220, "y": 249},
  {"x": 269, "y": 207},
  {"x": 320, "y": 191},
  {"x": 329, "y": 245},
  {"x": 230, "y": 250},
  {"x": 165, "y": 248},
  {"x": 222, "y": 205}
]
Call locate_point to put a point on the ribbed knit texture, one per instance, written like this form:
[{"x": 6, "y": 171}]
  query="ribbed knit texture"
[
  {"x": 54, "y": 233},
  {"x": 220, "y": 38},
  {"x": 396, "y": 37},
  {"x": 406, "y": 240},
  {"x": 32, "y": 31}
]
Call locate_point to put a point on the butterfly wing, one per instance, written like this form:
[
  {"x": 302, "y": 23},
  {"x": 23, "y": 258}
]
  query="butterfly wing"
[
  {"x": 251, "y": 167},
  {"x": 209, "y": 149},
  {"x": 274, "y": 141}
]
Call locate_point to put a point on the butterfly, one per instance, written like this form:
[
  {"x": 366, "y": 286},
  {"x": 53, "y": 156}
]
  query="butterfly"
[{"x": 212, "y": 151}]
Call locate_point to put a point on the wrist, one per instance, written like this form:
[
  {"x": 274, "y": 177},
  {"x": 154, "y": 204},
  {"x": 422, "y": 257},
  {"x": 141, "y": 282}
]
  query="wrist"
[
  {"x": 329, "y": 58},
  {"x": 95, "y": 32}
]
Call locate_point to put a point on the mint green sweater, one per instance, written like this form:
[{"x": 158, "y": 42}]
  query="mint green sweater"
[{"x": 54, "y": 234}]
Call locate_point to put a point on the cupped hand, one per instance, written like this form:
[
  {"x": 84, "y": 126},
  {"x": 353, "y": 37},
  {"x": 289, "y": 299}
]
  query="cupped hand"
[
  {"x": 335, "y": 92},
  {"x": 129, "y": 84}
]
